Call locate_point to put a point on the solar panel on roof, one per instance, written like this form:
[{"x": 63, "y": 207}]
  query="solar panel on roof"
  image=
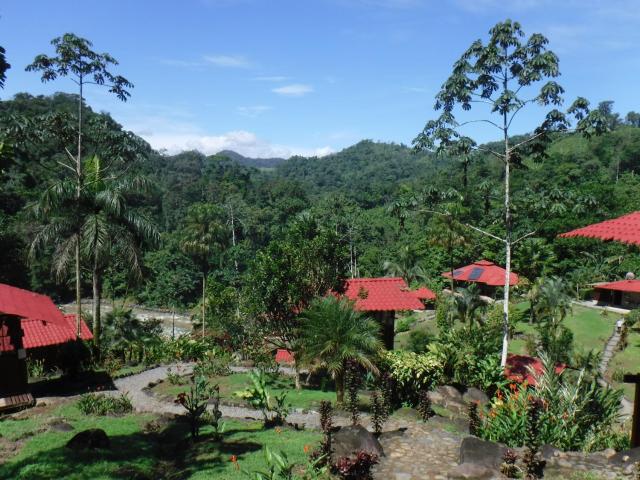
[
  {"x": 457, "y": 273},
  {"x": 476, "y": 273}
]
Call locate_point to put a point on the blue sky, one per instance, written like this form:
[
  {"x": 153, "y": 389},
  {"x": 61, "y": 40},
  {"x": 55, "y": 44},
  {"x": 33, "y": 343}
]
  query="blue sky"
[{"x": 278, "y": 77}]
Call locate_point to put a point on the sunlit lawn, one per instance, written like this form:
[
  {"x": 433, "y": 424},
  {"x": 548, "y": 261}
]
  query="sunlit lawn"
[
  {"x": 591, "y": 328},
  {"x": 135, "y": 454}
]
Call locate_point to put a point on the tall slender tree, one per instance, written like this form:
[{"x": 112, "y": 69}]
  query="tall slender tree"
[
  {"x": 76, "y": 60},
  {"x": 4, "y": 66},
  {"x": 109, "y": 226},
  {"x": 203, "y": 232},
  {"x": 506, "y": 74}
]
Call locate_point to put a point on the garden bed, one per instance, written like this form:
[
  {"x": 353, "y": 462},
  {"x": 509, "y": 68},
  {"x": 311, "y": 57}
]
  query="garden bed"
[{"x": 308, "y": 398}]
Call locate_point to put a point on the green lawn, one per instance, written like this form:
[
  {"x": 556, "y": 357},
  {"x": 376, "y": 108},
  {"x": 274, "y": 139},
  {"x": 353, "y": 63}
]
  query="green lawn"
[
  {"x": 627, "y": 361},
  {"x": 306, "y": 398},
  {"x": 590, "y": 327},
  {"x": 136, "y": 454}
]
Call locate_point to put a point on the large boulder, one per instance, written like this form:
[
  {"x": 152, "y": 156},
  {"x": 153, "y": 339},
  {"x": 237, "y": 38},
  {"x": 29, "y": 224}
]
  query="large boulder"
[
  {"x": 348, "y": 441},
  {"x": 89, "y": 440},
  {"x": 482, "y": 452},
  {"x": 475, "y": 395},
  {"x": 449, "y": 393}
]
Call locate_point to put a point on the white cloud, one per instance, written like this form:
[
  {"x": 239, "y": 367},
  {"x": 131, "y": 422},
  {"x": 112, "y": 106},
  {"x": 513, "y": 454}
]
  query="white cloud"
[
  {"x": 241, "y": 141},
  {"x": 293, "y": 90},
  {"x": 252, "y": 111},
  {"x": 273, "y": 78},
  {"x": 230, "y": 61}
]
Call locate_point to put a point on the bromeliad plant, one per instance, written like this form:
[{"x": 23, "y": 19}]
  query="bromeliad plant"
[{"x": 573, "y": 415}]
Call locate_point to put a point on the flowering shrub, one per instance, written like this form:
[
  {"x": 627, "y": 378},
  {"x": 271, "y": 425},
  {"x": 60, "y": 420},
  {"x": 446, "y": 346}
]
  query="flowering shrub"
[{"x": 573, "y": 415}]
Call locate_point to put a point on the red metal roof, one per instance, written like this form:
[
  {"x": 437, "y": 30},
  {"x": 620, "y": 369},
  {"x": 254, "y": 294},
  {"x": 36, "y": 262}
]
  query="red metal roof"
[
  {"x": 620, "y": 285},
  {"x": 625, "y": 229},
  {"x": 423, "y": 293},
  {"x": 381, "y": 294},
  {"x": 29, "y": 305},
  {"x": 518, "y": 368},
  {"x": 485, "y": 272},
  {"x": 284, "y": 356},
  {"x": 39, "y": 333}
]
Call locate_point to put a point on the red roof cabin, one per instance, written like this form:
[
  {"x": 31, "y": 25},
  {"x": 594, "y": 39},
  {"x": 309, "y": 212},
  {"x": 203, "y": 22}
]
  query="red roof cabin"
[
  {"x": 382, "y": 298},
  {"x": 487, "y": 275},
  {"x": 623, "y": 293},
  {"x": 28, "y": 321},
  {"x": 523, "y": 368}
]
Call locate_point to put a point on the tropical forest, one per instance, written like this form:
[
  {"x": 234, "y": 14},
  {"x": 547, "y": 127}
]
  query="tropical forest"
[{"x": 453, "y": 304}]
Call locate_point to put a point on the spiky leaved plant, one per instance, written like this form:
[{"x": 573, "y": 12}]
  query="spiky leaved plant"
[
  {"x": 424, "y": 406},
  {"x": 353, "y": 380}
]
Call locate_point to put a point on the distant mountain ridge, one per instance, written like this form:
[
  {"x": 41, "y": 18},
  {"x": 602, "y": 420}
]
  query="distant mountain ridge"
[{"x": 252, "y": 162}]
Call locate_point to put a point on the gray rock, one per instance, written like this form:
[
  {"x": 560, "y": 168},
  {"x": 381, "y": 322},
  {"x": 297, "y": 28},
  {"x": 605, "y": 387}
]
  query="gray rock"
[
  {"x": 89, "y": 440},
  {"x": 482, "y": 452},
  {"x": 348, "y": 441},
  {"x": 549, "y": 451},
  {"x": 59, "y": 425},
  {"x": 475, "y": 395},
  {"x": 626, "y": 457},
  {"x": 449, "y": 393},
  {"x": 436, "y": 398},
  {"x": 471, "y": 470}
]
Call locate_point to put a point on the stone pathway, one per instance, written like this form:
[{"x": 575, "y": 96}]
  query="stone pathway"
[
  {"x": 610, "y": 349},
  {"x": 626, "y": 406},
  {"x": 425, "y": 451}
]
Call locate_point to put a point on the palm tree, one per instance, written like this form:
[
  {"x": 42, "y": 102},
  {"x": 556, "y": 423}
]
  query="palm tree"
[
  {"x": 332, "y": 333},
  {"x": 467, "y": 305},
  {"x": 100, "y": 223},
  {"x": 202, "y": 233},
  {"x": 553, "y": 301},
  {"x": 405, "y": 267},
  {"x": 447, "y": 232}
]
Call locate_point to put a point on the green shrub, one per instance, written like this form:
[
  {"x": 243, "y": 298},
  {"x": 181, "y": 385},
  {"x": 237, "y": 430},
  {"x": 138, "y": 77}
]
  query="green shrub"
[
  {"x": 418, "y": 341},
  {"x": 101, "y": 404},
  {"x": 412, "y": 373},
  {"x": 215, "y": 363},
  {"x": 404, "y": 324}
]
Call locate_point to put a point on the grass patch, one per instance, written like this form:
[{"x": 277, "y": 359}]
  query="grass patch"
[
  {"x": 591, "y": 329},
  {"x": 627, "y": 361},
  {"x": 43, "y": 454},
  {"x": 307, "y": 398},
  {"x": 136, "y": 454}
]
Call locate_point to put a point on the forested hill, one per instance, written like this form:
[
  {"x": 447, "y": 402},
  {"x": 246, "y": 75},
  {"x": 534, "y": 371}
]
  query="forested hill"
[
  {"x": 265, "y": 163},
  {"x": 368, "y": 172},
  {"x": 350, "y": 191}
]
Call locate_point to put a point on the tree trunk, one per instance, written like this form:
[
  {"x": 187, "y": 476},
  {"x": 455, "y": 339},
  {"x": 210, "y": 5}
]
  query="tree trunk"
[
  {"x": 97, "y": 298},
  {"x": 297, "y": 373},
  {"x": 204, "y": 289},
  {"x": 453, "y": 284},
  {"x": 78, "y": 234},
  {"x": 507, "y": 220},
  {"x": 339, "y": 377}
]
